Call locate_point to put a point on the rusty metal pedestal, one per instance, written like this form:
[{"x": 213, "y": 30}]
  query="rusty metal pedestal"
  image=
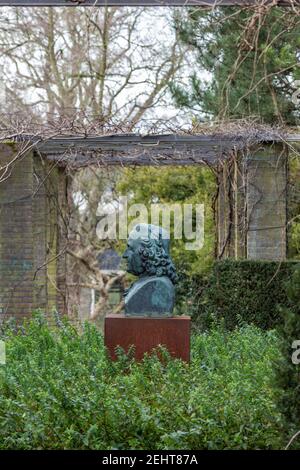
[{"x": 145, "y": 334}]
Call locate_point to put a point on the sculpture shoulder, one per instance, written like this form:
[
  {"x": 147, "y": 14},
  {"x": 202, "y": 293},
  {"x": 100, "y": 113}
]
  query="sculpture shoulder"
[
  {"x": 149, "y": 295},
  {"x": 155, "y": 280},
  {"x": 151, "y": 283}
]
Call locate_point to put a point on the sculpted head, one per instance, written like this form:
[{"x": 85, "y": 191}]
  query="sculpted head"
[{"x": 147, "y": 252}]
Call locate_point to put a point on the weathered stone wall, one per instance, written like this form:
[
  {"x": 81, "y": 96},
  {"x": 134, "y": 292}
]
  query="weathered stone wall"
[
  {"x": 32, "y": 273},
  {"x": 251, "y": 213},
  {"x": 267, "y": 204}
]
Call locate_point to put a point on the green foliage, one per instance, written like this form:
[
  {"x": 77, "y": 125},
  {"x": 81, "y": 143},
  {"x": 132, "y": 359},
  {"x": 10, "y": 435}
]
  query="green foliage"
[
  {"x": 251, "y": 61},
  {"x": 181, "y": 185},
  {"x": 294, "y": 206},
  {"x": 58, "y": 390},
  {"x": 288, "y": 373},
  {"x": 238, "y": 293}
]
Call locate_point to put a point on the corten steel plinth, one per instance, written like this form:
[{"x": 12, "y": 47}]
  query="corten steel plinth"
[{"x": 146, "y": 334}]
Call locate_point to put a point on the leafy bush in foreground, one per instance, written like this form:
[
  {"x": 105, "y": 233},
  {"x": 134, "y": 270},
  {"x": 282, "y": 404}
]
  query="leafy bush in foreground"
[{"x": 59, "y": 391}]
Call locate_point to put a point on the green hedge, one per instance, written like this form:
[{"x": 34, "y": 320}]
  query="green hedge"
[
  {"x": 288, "y": 373},
  {"x": 238, "y": 292},
  {"x": 58, "y": 390}
]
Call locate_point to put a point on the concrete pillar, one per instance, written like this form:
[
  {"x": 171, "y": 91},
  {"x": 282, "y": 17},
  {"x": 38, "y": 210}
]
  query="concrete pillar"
[
  {"x": 267, "y": 203},
  {"x": 32, "y": 269},
  {"x": 251, "y": 211}
]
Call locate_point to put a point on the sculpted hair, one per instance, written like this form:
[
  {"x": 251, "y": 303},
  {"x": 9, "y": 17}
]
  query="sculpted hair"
[{"x": 156, "y": 260}]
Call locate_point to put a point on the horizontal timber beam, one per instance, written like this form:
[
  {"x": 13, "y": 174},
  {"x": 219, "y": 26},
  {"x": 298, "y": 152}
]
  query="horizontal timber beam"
[
  {"x": 135, "y": 149},
  {"x": 151, "y": 149},
  {"x": 143, "y": 3}
]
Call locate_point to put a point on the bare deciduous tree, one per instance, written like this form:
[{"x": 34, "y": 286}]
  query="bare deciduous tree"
[{"x": 112, "y": 63}]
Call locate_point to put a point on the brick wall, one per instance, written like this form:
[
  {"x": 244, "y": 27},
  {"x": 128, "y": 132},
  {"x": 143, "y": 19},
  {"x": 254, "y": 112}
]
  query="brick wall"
[{"x": 32, "y": 275}]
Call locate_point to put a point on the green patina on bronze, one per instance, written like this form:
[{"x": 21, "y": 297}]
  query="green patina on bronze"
[{"x": 148, "y": 257}]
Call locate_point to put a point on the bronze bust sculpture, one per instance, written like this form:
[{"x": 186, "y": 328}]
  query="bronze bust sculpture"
[{"x": 148, "y": 257}]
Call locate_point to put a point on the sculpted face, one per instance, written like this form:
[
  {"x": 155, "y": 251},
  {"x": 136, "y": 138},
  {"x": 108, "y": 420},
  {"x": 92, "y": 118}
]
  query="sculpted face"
[{"x": 131, "y": 254}]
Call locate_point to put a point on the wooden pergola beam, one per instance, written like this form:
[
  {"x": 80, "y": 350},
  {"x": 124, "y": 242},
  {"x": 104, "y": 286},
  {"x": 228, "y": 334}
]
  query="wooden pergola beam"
[
  {"x": 183, "y": 3},
  {"x": 135, "y": 149},
  {"x": 153, "y": 149}
]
